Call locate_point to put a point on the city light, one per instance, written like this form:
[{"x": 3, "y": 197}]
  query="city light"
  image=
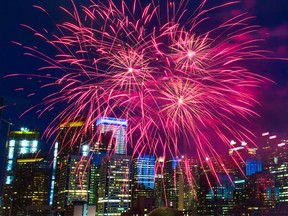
[
  {"x": 112, "y": 121},
  {"x": 183, "y": 74}
]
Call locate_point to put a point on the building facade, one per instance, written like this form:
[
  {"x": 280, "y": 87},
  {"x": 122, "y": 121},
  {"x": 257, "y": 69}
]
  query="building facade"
[
  {"x": 114, "y": 185},
  {"x": 143, "y": 184},
  {"x": 31, "y": 186},
  {"x": 20, "y": 143},
  {"x": 71, "y": 167},
  {"x": 118, "y": 127}
]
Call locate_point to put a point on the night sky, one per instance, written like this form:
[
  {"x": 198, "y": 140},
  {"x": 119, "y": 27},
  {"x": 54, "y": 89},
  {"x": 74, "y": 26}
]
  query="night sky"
[{"x": 271, "y": 15}]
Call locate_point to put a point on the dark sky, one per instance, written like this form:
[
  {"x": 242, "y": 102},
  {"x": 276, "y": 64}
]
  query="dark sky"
[{"x": 271, "y": 15}]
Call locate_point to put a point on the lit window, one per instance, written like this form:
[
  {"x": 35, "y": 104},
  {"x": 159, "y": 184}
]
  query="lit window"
[
  {"x": 10, "y": 153},
  {"x": 12, "y": 143},
  {"x": 9, "y": 165},
  {"x": 9, "y": 179},
  {"x": 24, "y": 143},
  {"x": 34, "y": 143},
  {"x": 23, "y": 151}
]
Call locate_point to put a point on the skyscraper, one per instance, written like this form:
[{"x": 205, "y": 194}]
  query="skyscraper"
[
  {"x": 118, "y": 127},
  {"x": 78, "y": 163},
  {"x": 145, "y": 170},
  {"x": 180, "y": 179},
  {"x": 171, "y": 182},
  {"x": 159, "y": 189},
  {"x": 73, "y": 182},
  {"x": 20, "y": 143},
  {"x": 143, "y": 199},
  {"x": 71, "y": 177},
  {"x": 276, "y": 162},
  {"x": 98, "y": 151},
  {"x": 31, "y": 187},
  {"x": 114, "y": 194},
  {"x": 215, "y": 196},
  {"x": 260, "y": 191},
  {"x": 115, "y": 185},
  {"x": 253, "y": 166}
]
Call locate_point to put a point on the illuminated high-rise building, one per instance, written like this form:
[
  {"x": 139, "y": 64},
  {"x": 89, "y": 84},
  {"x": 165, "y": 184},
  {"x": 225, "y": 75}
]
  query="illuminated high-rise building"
[
  {"x": 175, "y": 183},
  {"x": 180, "y": 179},
  {"x": 216, "y": 195},
  {"x": 118, "y": 127},
  {"x": 276, "y": 162},
  {"x": 269, "y": 144},
  {"x": 73, "y": 184},
  {"x": 253, "y": 166},
  {"x": 31, "y": 187},
  {"x": 240, "y": 152},
  {"x": 143, "y": 200},
  {"x": 280, "y": 171},
  {"x": 20, "y": 143},
  {"x": 274, "y": 152},
  {"x": 245, "y": 160},
  {"x": 239, "y": 192},
  {"x": 103, "y": 147},
  {"x": 188, "y": 170},
  {"x": 261, "y": 191},
  {"x": 171, "y": 182},
  {"x": 71, "y": 173},
  {"x": 145, "y": 168},
  {"x": 159, "y": 187},
  {"x": 114, "y": 185}
]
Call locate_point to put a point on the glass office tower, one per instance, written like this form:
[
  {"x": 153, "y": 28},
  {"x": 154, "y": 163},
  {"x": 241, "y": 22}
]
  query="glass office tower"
[{"x": 118, "y": 127}]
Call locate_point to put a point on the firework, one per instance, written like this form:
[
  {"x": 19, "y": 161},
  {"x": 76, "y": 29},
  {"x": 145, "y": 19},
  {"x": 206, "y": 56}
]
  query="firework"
[{"x": 179, "y": 86}]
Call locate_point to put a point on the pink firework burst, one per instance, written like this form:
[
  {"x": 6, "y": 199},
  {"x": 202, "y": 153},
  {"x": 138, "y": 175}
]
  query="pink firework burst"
[{"x": 155, "y": 66}]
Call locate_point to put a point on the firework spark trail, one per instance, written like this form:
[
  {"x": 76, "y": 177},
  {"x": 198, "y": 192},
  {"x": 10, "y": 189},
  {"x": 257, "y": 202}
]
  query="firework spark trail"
[{"x": 167, "y": 77}]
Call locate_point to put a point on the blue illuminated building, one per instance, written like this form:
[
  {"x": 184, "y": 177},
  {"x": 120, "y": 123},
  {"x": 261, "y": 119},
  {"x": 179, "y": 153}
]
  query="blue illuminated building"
[
  {"x": 175, "y": 162},
  {"x": 111, "y": 121},
  {"x": 253, "y": 166},
  {"x": 145, "y": 171},
  {"x": 118, "y": 127},
  {"x": 143, "y": 186}
]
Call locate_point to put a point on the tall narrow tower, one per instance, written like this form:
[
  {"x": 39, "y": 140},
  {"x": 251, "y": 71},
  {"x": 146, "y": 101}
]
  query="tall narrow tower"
[{"x": 114, "y": 194}]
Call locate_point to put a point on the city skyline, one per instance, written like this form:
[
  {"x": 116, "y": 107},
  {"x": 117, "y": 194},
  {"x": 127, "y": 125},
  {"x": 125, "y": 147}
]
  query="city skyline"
[
  {"x": 114, "y": 81},
  {"x": 263, "y": 189},
  {"x": 273, "y": 29}
]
